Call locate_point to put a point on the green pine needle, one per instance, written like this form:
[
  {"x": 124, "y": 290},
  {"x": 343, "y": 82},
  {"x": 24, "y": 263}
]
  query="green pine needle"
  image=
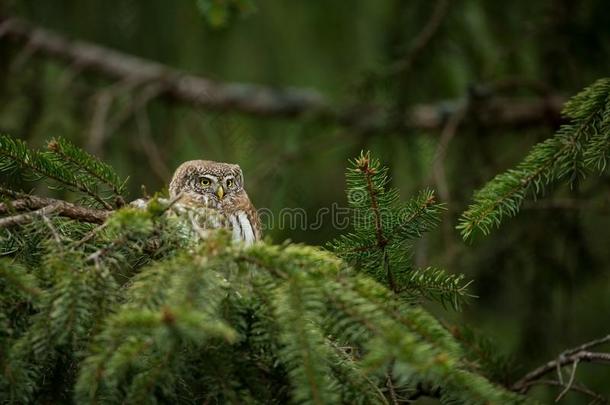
[{"x": 577, "y": 147}]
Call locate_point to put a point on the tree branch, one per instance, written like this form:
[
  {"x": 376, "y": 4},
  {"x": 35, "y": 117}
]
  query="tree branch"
[
  {"x": 269, "y": 101},
  {"x": 45, "y": 206},
  {"x": 21, "y": 219},
  {"x": 581, "y": 356}
]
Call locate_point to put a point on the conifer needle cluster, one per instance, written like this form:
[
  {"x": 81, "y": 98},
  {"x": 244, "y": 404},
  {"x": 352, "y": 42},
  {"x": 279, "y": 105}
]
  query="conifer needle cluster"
[{"x": 134, "y": 310}]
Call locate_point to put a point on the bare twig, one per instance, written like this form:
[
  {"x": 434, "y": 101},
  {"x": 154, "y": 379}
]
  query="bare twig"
[
  {"x": 581, "y": 356},
  {"x": 267, "y": 101},
  {"x": 568, "y": 386},
  {"x": 588, "y": 345},
  {"x": 173, "y": 201}
]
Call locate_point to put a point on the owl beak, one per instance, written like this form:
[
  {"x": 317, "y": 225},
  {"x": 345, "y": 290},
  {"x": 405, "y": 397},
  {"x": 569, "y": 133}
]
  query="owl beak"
[{"x": 220, "y": 192}]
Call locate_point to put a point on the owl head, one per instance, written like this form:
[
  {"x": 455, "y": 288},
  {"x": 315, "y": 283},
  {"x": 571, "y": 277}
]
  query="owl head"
[{"x": 206, "y": 181}]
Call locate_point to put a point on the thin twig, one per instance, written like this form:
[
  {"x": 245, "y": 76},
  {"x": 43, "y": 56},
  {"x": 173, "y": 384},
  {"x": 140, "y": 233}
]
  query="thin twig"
[
  {"x": 568, "y": 386},
  {"x": 581, "y": 356},
  {"x": 588, "y": 345}
]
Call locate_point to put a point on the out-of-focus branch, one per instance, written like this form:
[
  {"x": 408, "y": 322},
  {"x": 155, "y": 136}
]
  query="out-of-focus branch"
[
  {"x": 40, "y": 206},
  {"x": 569, "y": 357},
  {"x": 269, "y": 101},
  {"x": 422, "y": 39},
  {"x": 582, "y": 356}
]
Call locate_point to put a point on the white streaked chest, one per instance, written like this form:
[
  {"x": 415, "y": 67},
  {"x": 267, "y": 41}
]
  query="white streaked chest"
[{"x": 241, "y": 228}]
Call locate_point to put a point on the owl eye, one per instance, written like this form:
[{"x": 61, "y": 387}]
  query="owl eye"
[
  {"x": 205, "y": 182},
  {"x": 230, "y": 183}
]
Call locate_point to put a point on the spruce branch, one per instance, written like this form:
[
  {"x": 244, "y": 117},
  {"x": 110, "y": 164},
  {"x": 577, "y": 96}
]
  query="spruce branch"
[
  {"x": 90, "y": 166},
  {"x": 363, "y": 164},
  {"x": 438, "y": 285},
  {"x": 204, "y": 318},
  {"x": 384, "y": 231},
  {"x": 15, "y": 154},
  {"x": 577, "y": 146}
]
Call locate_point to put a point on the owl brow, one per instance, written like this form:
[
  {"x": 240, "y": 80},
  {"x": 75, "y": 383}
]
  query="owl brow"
[{"x": 208, "y": 176}]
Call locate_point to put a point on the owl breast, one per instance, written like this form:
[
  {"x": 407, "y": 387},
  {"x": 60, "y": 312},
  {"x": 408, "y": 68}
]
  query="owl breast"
[
  {"x": 241, "y": 227},
  {"x": 241, "y": 217}
]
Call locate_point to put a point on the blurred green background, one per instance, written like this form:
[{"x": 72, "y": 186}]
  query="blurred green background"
[{"x": 542, "y": 279}]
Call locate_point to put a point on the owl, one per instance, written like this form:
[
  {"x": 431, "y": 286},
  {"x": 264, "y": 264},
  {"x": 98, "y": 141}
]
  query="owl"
[{"x": 219, "y": 187}]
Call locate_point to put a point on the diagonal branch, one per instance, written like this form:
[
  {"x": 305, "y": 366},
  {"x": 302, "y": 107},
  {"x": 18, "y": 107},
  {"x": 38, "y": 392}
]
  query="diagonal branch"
[
  {"x": 270, "y": 101},
  {"x": 580, "y": 356}
]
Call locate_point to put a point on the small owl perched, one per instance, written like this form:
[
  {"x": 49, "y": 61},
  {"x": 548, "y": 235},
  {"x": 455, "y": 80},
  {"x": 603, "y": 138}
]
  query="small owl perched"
[{"x": 219, "y": 187}]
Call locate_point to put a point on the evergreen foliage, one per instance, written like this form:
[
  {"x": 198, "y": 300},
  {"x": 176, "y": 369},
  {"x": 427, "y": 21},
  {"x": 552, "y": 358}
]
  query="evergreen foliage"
[
  {"x": 67, "y": 166},
  {"x": 578, "y": 147},
  {"x": 385, "y": 231},
  {"x": 137, "y": 311}
]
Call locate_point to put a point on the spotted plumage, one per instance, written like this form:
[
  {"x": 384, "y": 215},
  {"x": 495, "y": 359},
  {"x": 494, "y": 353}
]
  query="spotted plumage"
[{"x": 220, "y": 187}]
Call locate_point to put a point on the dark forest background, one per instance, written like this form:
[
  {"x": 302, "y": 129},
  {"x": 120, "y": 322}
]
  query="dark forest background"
[{"x": 542, "y": 279}]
